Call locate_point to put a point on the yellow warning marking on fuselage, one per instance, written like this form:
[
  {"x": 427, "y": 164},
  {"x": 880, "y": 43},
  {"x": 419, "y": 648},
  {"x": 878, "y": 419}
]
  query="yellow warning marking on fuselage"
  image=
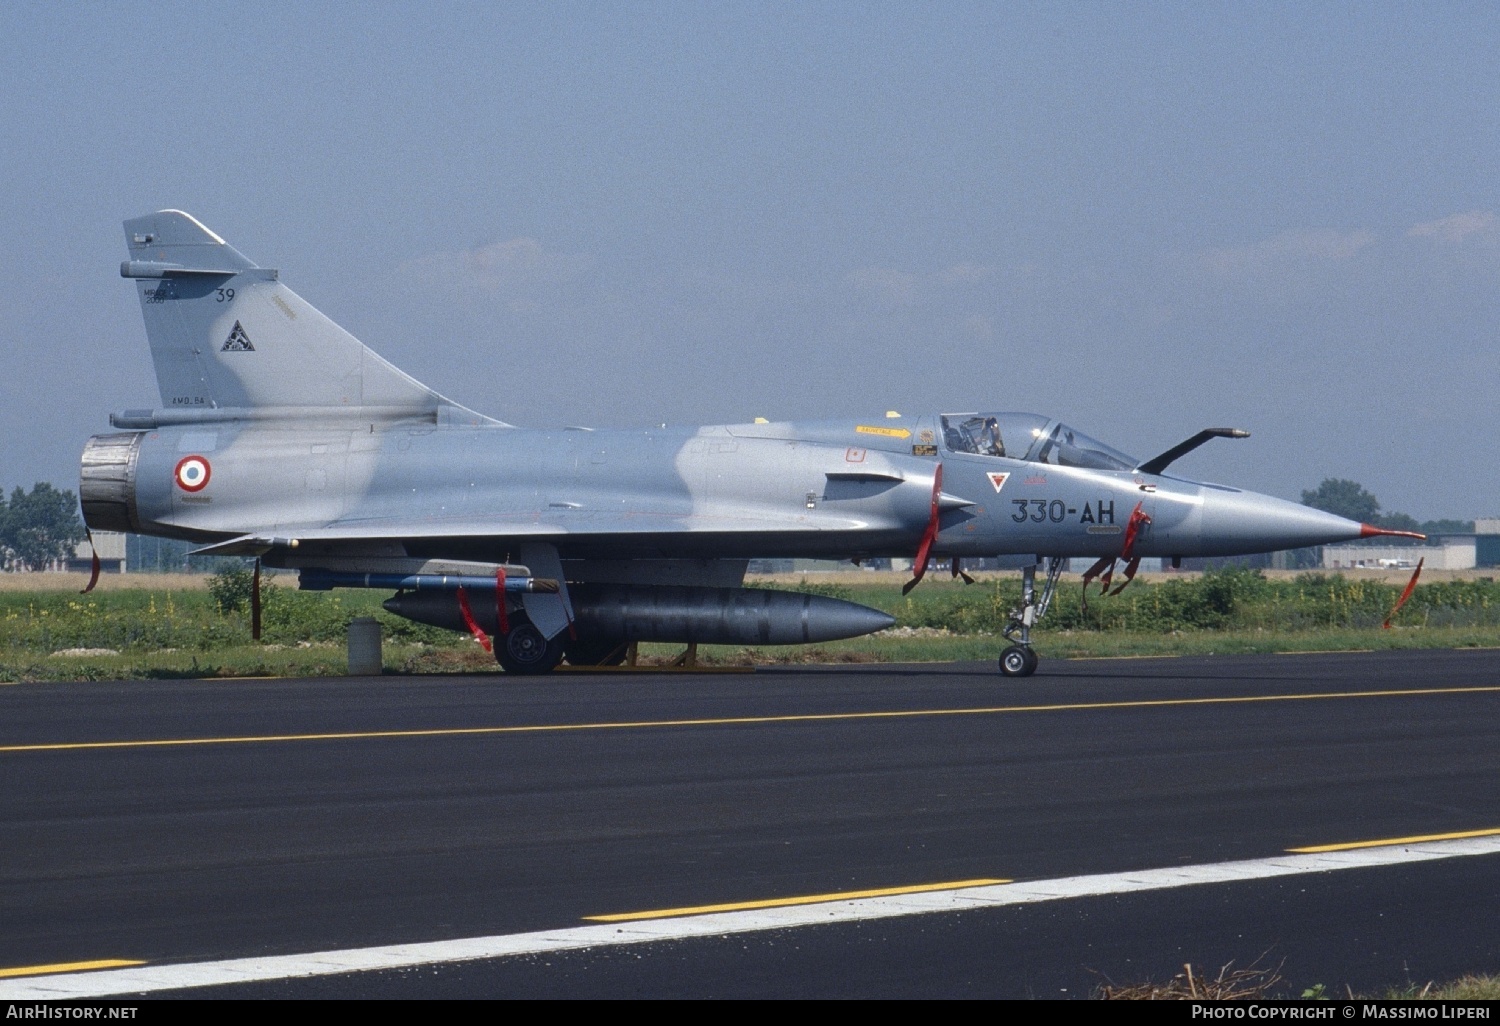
[
  {"x": 806, "y": 899},
  {"x": 731, "y": 721},
  {"x": 68, "y": 967},
  {"x": 870, "y": 429},
  {"x": 1391, "y": 841}
]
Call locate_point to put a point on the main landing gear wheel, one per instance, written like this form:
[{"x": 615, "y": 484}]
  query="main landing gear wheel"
[
  {"x": 526, "y": 651},
  {"x": 1017, "y": 661}
]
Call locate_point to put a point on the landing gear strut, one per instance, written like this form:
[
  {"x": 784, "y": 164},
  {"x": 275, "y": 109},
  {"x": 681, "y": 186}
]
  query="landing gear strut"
[{"x": 1020, "y": 659}]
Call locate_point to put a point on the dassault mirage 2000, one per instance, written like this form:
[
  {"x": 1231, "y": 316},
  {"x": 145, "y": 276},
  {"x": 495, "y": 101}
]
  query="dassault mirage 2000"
[{"x": 281, "y": 436}]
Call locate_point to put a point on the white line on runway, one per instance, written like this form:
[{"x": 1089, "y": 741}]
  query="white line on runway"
[{"x": 146, "y": 979}]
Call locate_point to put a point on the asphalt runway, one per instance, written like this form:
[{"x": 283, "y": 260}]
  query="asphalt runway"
[{"x": 174, "y": 822}]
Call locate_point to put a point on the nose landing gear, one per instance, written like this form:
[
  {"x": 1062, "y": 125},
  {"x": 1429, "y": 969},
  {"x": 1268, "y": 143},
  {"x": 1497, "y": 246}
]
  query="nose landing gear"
[{"x": 1020, "y": 659}]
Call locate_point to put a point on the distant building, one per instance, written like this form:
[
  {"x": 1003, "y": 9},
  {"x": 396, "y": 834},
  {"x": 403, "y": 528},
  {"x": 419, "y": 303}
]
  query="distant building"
[
  {"x": 1487, "y": 541},
  {"x": 1081, "y": 564},
  {"x": 1454, "y": 552},
  {"x": 110, "y": 545},
  {"x": 1442, "y": 551}
]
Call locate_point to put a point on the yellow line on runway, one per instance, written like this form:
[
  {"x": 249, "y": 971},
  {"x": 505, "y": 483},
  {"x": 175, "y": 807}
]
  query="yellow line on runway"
[
  {"x": 727, "y": 721},
  {"x": 1325, "y": 651},
  {"x": 67, "y": 967},
  {"x": 807, "y": 899},
  {"x": 1387, "y": 842}
]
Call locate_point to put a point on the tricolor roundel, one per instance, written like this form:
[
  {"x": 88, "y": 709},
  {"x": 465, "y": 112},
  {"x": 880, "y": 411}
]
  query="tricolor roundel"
[{"x": 192, "y": 473}]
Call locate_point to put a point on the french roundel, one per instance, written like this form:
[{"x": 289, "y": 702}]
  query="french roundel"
[{"x": 192, "y": 473}]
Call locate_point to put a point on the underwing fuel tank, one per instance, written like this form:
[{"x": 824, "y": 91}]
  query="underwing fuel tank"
[{"x": 709, "y": 616}]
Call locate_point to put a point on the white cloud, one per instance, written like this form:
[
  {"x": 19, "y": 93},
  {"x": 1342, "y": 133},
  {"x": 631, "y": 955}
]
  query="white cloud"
[
  {"x": 1459, "y": 226},
  {"x": 885, "y": 284},
  {"x": 1286, "y": 249},
  {"x": 513, "y": 265},
  {"x": 978, "y": 327},
  {"x": 968, "y": 274},
  {"x": 902, "y": 288}
]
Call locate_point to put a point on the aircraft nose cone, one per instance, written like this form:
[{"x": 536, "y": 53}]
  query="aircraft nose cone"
[{"x": 1235, "y": 522}]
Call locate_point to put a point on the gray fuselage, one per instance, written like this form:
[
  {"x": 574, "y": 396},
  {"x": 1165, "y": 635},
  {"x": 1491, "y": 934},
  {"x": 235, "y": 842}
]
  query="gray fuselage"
[{"x": 824, "y": 489}]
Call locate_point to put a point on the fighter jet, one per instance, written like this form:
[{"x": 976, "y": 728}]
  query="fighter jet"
[{"x": 281, "y": 436}]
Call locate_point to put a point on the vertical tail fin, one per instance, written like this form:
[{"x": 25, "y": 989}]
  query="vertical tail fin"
[{"x": 225, "y": 333}]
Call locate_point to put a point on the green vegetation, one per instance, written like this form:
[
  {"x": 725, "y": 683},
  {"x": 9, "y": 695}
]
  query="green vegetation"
[
  {"x": 145, "y": 620},
  {"x": 1350, "y": 499},
  {"x": 39, "y": 527},
  {"x": 1345, "y": 498},
  {"x": 231, "y": 588},
  {"x": 1258, "y": 983},
  {"x": 1230, "y": 599},
  {"x": 200, "y": 633},
  {"x": 206, "y": 632},
  {"x": 1467, "y": 988},
  {"x": 1232, "y": 610}
]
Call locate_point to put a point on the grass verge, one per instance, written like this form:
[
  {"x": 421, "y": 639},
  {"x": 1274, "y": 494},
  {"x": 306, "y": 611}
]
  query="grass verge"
[
  {"x": 1261, "y": 984},
  {"x": 161, "y": 628},
  {"x": 461, "y": 655}
]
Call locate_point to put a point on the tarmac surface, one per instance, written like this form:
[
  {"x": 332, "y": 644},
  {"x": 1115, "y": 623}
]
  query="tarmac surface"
[{"x": 190, "y": 821}]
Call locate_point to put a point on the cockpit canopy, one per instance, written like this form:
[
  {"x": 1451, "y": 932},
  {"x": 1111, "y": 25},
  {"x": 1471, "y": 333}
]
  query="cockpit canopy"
[{"x": 1030, "y": 437}]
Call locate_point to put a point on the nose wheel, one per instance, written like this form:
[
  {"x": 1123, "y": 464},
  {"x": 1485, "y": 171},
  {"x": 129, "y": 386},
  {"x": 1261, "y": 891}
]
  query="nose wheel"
[{"x": 1020, "y": 659}]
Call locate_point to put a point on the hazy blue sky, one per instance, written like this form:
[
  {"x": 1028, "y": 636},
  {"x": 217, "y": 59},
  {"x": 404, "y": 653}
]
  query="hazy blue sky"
[{"x": 1145, "y": 218}]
